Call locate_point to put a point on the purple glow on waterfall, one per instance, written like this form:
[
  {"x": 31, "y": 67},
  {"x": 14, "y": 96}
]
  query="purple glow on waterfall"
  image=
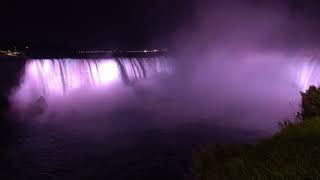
[
  {"x": 60, "y": 76},
  {"x": 52, "y": 78},
  {"x": 207, "y": 88},
  {"x": 307, "y": 73}
]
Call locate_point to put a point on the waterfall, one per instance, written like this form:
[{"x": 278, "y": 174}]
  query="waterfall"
[
  {"x": 60, "y": 77},
  {"x": 306, "y": 72},
  {"x": 52, "y": 77}
]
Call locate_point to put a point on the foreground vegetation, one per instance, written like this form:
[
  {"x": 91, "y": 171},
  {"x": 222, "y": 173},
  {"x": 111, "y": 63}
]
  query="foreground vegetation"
[{"x": 293, "y": 153}]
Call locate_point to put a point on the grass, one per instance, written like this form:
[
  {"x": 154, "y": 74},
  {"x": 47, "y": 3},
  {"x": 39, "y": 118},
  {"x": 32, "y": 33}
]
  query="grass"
[{"x": 292, "y": 154}]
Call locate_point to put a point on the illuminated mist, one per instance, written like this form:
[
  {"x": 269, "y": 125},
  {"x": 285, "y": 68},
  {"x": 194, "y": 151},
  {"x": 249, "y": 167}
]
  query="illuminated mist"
[
  {"x": 209, "y": 90},
  {"x": 233, "y": 65}
]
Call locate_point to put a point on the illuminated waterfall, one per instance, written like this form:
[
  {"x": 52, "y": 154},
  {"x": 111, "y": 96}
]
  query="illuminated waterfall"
[
  {"x": 58, "y": 77},
  {"x": 306, "y": 71}
]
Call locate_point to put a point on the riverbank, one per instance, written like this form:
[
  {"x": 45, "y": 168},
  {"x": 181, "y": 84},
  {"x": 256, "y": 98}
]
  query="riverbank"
[{"x": 293, "y": 153}]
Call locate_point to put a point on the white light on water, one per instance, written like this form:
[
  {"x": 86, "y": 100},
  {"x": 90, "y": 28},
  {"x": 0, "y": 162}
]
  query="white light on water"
[{"x": 105, "y": 72}]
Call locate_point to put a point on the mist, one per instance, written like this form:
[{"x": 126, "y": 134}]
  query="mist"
[
  {"x": 244, "y": 64},
  {"x": 235, "y": 66}
]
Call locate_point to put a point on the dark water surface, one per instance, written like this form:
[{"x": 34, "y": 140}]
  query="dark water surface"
[{"x": 40, "y": 150}]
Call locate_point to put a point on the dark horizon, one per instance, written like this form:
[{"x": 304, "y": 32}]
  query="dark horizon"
[
  {"x": 112, "y": 25},
  {"x": 90, "y": 25}
]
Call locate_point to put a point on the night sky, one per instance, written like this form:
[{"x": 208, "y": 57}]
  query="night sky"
[{"x": 112, "y": 24}]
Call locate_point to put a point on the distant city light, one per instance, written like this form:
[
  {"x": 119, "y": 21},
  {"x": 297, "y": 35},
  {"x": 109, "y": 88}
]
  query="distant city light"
[{"x": 129, "y": 51}]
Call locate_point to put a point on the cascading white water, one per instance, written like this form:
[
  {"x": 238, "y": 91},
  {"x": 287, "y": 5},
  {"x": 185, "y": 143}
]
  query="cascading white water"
[
  {"x": 306, "y": 72},
  {"x": 59, "y": 77}
]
